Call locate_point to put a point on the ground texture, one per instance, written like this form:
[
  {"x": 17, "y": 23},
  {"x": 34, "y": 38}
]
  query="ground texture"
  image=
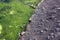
[{"x": 44, "y": 23}]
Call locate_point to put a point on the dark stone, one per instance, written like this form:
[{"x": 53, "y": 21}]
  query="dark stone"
[{"x": 29, "y": 21}]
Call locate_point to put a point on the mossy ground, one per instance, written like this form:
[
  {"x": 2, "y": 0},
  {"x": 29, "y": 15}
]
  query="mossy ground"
[{"x": 14, "y": 15}]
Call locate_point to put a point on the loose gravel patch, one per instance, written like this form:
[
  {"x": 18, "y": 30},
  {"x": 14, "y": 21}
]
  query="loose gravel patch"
[{"x": 45, "y": 22}]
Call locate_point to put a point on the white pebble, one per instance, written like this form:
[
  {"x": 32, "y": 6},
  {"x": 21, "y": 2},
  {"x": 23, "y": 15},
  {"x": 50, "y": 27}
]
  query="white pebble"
[
  {"x": 23, "y": 33},
  {"x": 59, "y": 24},
  {"x": 48, "y": 37},
  {"x": 42, "y": 31},
  {"x": 58, "y": 8},
  {"x": 52, "y": 34}
]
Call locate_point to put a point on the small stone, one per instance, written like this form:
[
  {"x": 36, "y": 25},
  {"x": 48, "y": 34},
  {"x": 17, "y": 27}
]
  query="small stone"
[
  {"x": 52, "y": 34},
  {"x": 58, "y": 21},
  {"x": 56, "y": 35},
  {"x": 57, "y": 29},
  {"x": 49, "y": 37},
  {"x": 42, "y": 31},
  {"x": 46, "y": 29},
  {"x": 58, "y": 8},
  {"x": 20, "y": 34},
  {"x": 23, "y": 33},
  {"x": 47, "y": 20},
  {"x": 59, "y": 24}
]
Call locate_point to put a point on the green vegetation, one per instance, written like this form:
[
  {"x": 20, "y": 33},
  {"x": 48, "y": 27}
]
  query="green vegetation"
[
  {"x": 14, "y": 15},
  {"x": 34, "y": 2}
]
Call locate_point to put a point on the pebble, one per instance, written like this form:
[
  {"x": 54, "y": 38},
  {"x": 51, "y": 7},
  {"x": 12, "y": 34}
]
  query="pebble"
[
  {"x": 46, "y": 29},
  {"x": 57, "y": 29},
  {"x": 58, "y": 21},
  {"x": 41, "y": 31},
  {"x": 55, "y": 35},
  {"x": 39, "y": 25},
  {"x": 59, "y": 24},
  {"x": 52, "y": 34},
  {"x": 58, "y": 8},
  {"x": 23, "y": 33},
  {"x": 49, "y": 37}
]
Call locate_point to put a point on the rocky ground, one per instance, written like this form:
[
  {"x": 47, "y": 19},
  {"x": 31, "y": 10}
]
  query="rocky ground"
[{"x": 44, "y": 23}]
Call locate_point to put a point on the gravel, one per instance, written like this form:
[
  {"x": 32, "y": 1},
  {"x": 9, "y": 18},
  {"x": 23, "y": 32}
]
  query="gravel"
[{"x": 45, "y": 22}]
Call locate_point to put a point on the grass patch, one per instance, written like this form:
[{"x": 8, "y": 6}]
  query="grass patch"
[{"x": 13, "y": 15}]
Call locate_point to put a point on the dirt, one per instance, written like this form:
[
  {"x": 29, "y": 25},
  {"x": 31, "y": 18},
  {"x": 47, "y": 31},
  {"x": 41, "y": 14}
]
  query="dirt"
[{"x": 44, "y": 23}]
